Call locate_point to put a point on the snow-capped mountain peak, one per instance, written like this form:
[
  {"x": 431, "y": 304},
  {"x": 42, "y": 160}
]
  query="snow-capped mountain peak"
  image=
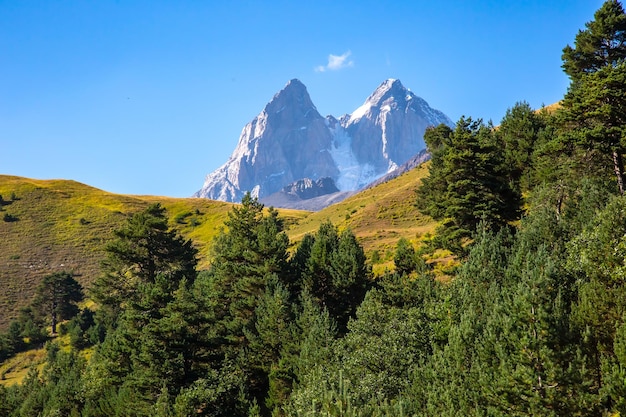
[{"x": 289, "y": 140}]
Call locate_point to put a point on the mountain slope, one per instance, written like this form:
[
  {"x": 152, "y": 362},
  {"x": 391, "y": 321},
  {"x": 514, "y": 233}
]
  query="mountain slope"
[{"x": 64, "y": 225}]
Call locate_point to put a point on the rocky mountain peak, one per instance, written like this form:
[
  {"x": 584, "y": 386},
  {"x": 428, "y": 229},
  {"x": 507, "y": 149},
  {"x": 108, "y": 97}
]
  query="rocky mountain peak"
[
  {"x": 391, "y": 94},
  {"x": 290, "y": 141},
  {"x": 292, "y": 100},
  {"x": 287, "y": 141},
  {"x": 390, "y": 88}
]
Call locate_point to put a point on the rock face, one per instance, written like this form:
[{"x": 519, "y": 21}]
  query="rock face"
[
  {"x": 307, "y": 188},
  {"x": 306, "y": 194},
  {"x": 290, "y": 142},
  {"x": 287, "y": 141}
]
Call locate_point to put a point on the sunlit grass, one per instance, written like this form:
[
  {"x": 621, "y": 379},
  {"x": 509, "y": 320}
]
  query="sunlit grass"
[
  {"x": 15, "y": 369},
  {"x": 379, "y": 217},
  {"x": 64, "y": 226}
]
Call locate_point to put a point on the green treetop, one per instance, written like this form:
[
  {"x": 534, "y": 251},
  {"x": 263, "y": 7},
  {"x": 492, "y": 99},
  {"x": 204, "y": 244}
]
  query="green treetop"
[
  {"x": 57, "y": 296},
  {"x": 601, "y": 44},
  {"x": 594, "y": 109}
]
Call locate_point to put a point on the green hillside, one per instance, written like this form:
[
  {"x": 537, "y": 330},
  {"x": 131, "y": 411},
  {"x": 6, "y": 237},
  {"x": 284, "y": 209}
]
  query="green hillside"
[
  {"x": 60, "y": 225},
  {"x": 379, "y": 216}
]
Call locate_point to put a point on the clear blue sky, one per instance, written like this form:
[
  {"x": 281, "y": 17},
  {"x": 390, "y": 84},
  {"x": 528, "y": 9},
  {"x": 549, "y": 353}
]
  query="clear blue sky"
[{"x": 147, "y": 97}]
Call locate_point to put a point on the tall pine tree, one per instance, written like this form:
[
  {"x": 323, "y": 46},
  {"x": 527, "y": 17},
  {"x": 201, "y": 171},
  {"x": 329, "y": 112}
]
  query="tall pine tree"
[
  {"x": 467, "y": 183},
  {"x": 594, "y": 109}
]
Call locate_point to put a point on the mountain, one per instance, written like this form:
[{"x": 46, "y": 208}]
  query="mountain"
[
  {"x": 306, "y": 194},
  {"x": 289, "y": 141},
  {"x": 382, "y": 134}
]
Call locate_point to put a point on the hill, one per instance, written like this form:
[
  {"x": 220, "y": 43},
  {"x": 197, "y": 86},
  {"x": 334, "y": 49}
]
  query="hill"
[
  {"x": 60, "y": 225},
  {"x": 378, "y": 216},
  {"x": 57, "y": 225}
]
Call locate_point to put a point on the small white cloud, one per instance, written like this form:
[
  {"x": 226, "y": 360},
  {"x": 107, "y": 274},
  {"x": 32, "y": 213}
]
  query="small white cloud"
[{"x": 336, "y": 62}]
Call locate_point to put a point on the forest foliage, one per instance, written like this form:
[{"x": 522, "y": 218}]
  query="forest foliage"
[{"x": 532, "y": 322}]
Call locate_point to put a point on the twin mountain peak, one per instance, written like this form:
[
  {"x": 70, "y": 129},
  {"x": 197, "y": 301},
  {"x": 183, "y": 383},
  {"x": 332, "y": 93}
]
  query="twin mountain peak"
[{"x": 290, "y": 153}]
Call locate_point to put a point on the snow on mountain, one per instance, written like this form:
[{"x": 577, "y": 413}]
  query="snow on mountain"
[
  {"x": 352, "y": 173},
  {"x": 389, "y": 127},
  {"x": 289, "y": 141}
]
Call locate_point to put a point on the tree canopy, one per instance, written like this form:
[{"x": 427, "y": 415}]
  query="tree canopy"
[
  {"x": 594, "y": 111},
  {"x": 467, "y": 182},
  {"x": 57, "y": 296}
]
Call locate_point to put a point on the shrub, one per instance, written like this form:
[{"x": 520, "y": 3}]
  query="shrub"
[{"x": 9, "y": 218}]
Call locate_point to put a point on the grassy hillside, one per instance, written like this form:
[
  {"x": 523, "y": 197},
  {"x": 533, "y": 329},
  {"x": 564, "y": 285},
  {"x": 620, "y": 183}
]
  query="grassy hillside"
[
  {"x": 379, "y": 216},
  {"x": 59, "y": 225}
]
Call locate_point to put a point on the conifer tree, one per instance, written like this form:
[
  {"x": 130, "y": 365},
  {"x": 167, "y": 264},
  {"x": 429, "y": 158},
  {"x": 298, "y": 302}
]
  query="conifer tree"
[
  {"x": 601, "y": 44},
  {"x": 142, "y": 249},
  {"x": 404, "y": 259},
  {"x": 466, "y": 182},
  {"x": 246, "y": 255},
  {"x": 336, "y": 273},
  {"x": 273, "y": 344},
  {"x": 57, "y": 296},
  {"x": 594, "y": 108},
  {"x": 517, "y": 136},
  {"x": 146, "y": 247},
  {"x": 249, "y": 275}
]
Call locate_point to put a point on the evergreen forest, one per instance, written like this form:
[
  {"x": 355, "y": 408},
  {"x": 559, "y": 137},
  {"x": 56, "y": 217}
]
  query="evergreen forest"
[{"x": 531, "y": 320}]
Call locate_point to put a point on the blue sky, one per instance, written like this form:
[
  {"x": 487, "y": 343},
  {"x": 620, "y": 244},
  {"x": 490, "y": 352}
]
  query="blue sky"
[{"x": 147, "y": 97}]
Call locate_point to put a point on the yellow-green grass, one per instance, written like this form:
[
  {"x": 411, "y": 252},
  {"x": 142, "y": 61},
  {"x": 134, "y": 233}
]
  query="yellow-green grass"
[
  {"x": 14, "y": 369},
  {"x": 551, "y": 108},
  {"x": 62, "y": 225},
  {"x": 59, "y": 225},
  {"x": 379, "y": 217}
]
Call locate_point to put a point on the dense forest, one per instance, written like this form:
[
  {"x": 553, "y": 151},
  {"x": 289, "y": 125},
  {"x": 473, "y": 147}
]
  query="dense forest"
[{"x": 531, "y": 321}]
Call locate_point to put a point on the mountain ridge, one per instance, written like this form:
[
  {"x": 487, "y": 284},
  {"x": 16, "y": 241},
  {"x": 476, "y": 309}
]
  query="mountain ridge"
[{"x": 289, "y": 140}]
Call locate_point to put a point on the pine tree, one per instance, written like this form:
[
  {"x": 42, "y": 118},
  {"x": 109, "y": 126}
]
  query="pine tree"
[
  {"x": 57, "y": 296},
  {"x": 594, "y": 109},
  {"x": 249, "y": 279},
  {"x": 245, "y": 256},
  {"x": 336, "y": 273},
  {"x": 142, "y": 249},
  {"x": 147, "y": 347},
  {"x": 404, "y": 259},
  {"x": 466, "y": 182},
  {"x": 273, "y": 344},
  {"x": 517, "y": 136},
  {"x": 601, "y": 44},
  {"x": 528, "y": 344}
]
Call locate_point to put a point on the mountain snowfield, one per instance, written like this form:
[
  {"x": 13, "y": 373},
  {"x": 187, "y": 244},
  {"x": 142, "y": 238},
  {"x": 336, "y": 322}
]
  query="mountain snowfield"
[{"x": 290, "y": 141}]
